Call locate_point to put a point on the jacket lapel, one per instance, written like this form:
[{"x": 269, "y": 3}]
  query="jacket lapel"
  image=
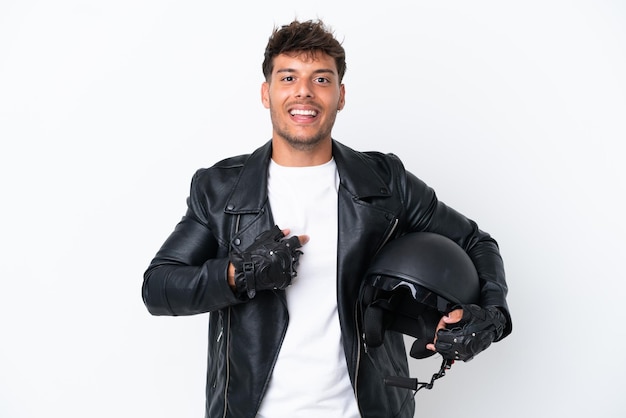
[
  {"x": 356, "y": 175},
  {"x": 368, "y": 216},
  {"x": 249, "y": 195}
]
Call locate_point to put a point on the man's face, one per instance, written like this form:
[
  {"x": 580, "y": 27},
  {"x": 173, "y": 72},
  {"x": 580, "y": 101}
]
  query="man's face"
[{"x": 303, "y": 96}]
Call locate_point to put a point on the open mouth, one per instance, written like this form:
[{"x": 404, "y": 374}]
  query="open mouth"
[{"x": 309, "y": 113}]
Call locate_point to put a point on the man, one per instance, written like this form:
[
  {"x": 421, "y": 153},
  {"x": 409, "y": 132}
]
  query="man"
[{"x": 285, "y": 334}]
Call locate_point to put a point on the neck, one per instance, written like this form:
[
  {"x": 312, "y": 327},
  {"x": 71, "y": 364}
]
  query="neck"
[{"x": 289, "y": 156}]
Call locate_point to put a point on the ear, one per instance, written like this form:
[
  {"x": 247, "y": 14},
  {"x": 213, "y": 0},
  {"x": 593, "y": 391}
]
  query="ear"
[
  {"x": 342, "y": 97},
  {"x": 265, "y": 94}
]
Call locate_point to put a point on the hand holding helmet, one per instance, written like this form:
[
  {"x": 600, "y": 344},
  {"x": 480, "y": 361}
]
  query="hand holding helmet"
[
  {"x": 425, "y": 285},
  {"x": 268, "y": 263},
  {"x": 474, "y": 332}
]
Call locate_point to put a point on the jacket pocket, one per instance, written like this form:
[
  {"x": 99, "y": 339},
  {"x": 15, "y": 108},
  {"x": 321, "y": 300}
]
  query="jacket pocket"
[{"x": 217, "y": 352}]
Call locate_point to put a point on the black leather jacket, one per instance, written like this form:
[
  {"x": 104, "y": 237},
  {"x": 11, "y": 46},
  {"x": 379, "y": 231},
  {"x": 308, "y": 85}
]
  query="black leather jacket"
[{"x": 228, "y": 206}]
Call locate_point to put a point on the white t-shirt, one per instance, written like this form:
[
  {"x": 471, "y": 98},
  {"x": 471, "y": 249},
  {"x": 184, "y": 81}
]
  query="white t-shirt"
[{"x": 310, "y": 378}]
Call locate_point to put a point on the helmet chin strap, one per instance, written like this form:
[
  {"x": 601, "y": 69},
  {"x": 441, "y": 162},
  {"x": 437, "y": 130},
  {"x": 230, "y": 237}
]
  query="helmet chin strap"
[{"x": 414, "y": 384}]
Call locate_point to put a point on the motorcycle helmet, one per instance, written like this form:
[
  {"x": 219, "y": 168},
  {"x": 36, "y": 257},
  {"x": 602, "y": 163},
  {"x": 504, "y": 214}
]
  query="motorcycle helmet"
[{"x": 411, "y": 283}]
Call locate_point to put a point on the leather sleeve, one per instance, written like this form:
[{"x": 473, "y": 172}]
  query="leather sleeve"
[
  {"x": 188, "y": 275},
  {"x": 426, "y": 213}
]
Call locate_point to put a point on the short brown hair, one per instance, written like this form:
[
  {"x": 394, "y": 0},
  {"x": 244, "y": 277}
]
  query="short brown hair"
[{"x": 308, "y": 37}]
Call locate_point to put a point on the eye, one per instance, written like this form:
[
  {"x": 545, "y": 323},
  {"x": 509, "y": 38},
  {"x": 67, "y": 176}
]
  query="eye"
[
  {"x": 287, "y": 78},
  {"x": 322, "y": 80}
]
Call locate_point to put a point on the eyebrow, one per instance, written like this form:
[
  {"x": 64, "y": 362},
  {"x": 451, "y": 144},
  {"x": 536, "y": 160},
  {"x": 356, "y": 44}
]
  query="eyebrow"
[{"x": 318, "y": 71}]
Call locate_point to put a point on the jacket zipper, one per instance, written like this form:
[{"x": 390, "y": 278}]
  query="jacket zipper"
[
  {"x": 393, "y": 229},
  {"x": 359, "y": 336},
  {"x": 226, "y": 355}
]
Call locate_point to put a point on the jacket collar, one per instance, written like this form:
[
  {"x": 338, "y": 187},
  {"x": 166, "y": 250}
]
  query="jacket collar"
[
  {"x": 250, "y": 192},
  {"x": 355, "y": 174}
]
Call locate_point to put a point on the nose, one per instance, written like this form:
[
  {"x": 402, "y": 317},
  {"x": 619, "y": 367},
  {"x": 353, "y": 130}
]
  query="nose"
[{"x": 304, "y": 89}]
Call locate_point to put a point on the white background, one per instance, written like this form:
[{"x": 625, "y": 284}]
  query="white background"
[{"x": 514, "y": 111}]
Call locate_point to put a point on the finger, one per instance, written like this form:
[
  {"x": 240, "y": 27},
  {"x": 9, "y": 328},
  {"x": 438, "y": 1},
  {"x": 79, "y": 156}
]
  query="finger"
[
  {"x": 453, "y": 317},
  {"x": 291, "y": 242},
  {"x": 440, "y": 325},
  {"x": 303, "y": 239}
]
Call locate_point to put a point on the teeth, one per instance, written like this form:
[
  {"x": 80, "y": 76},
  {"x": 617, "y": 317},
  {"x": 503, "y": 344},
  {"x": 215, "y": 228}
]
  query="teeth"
[{"x": 303, "y": 112}]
